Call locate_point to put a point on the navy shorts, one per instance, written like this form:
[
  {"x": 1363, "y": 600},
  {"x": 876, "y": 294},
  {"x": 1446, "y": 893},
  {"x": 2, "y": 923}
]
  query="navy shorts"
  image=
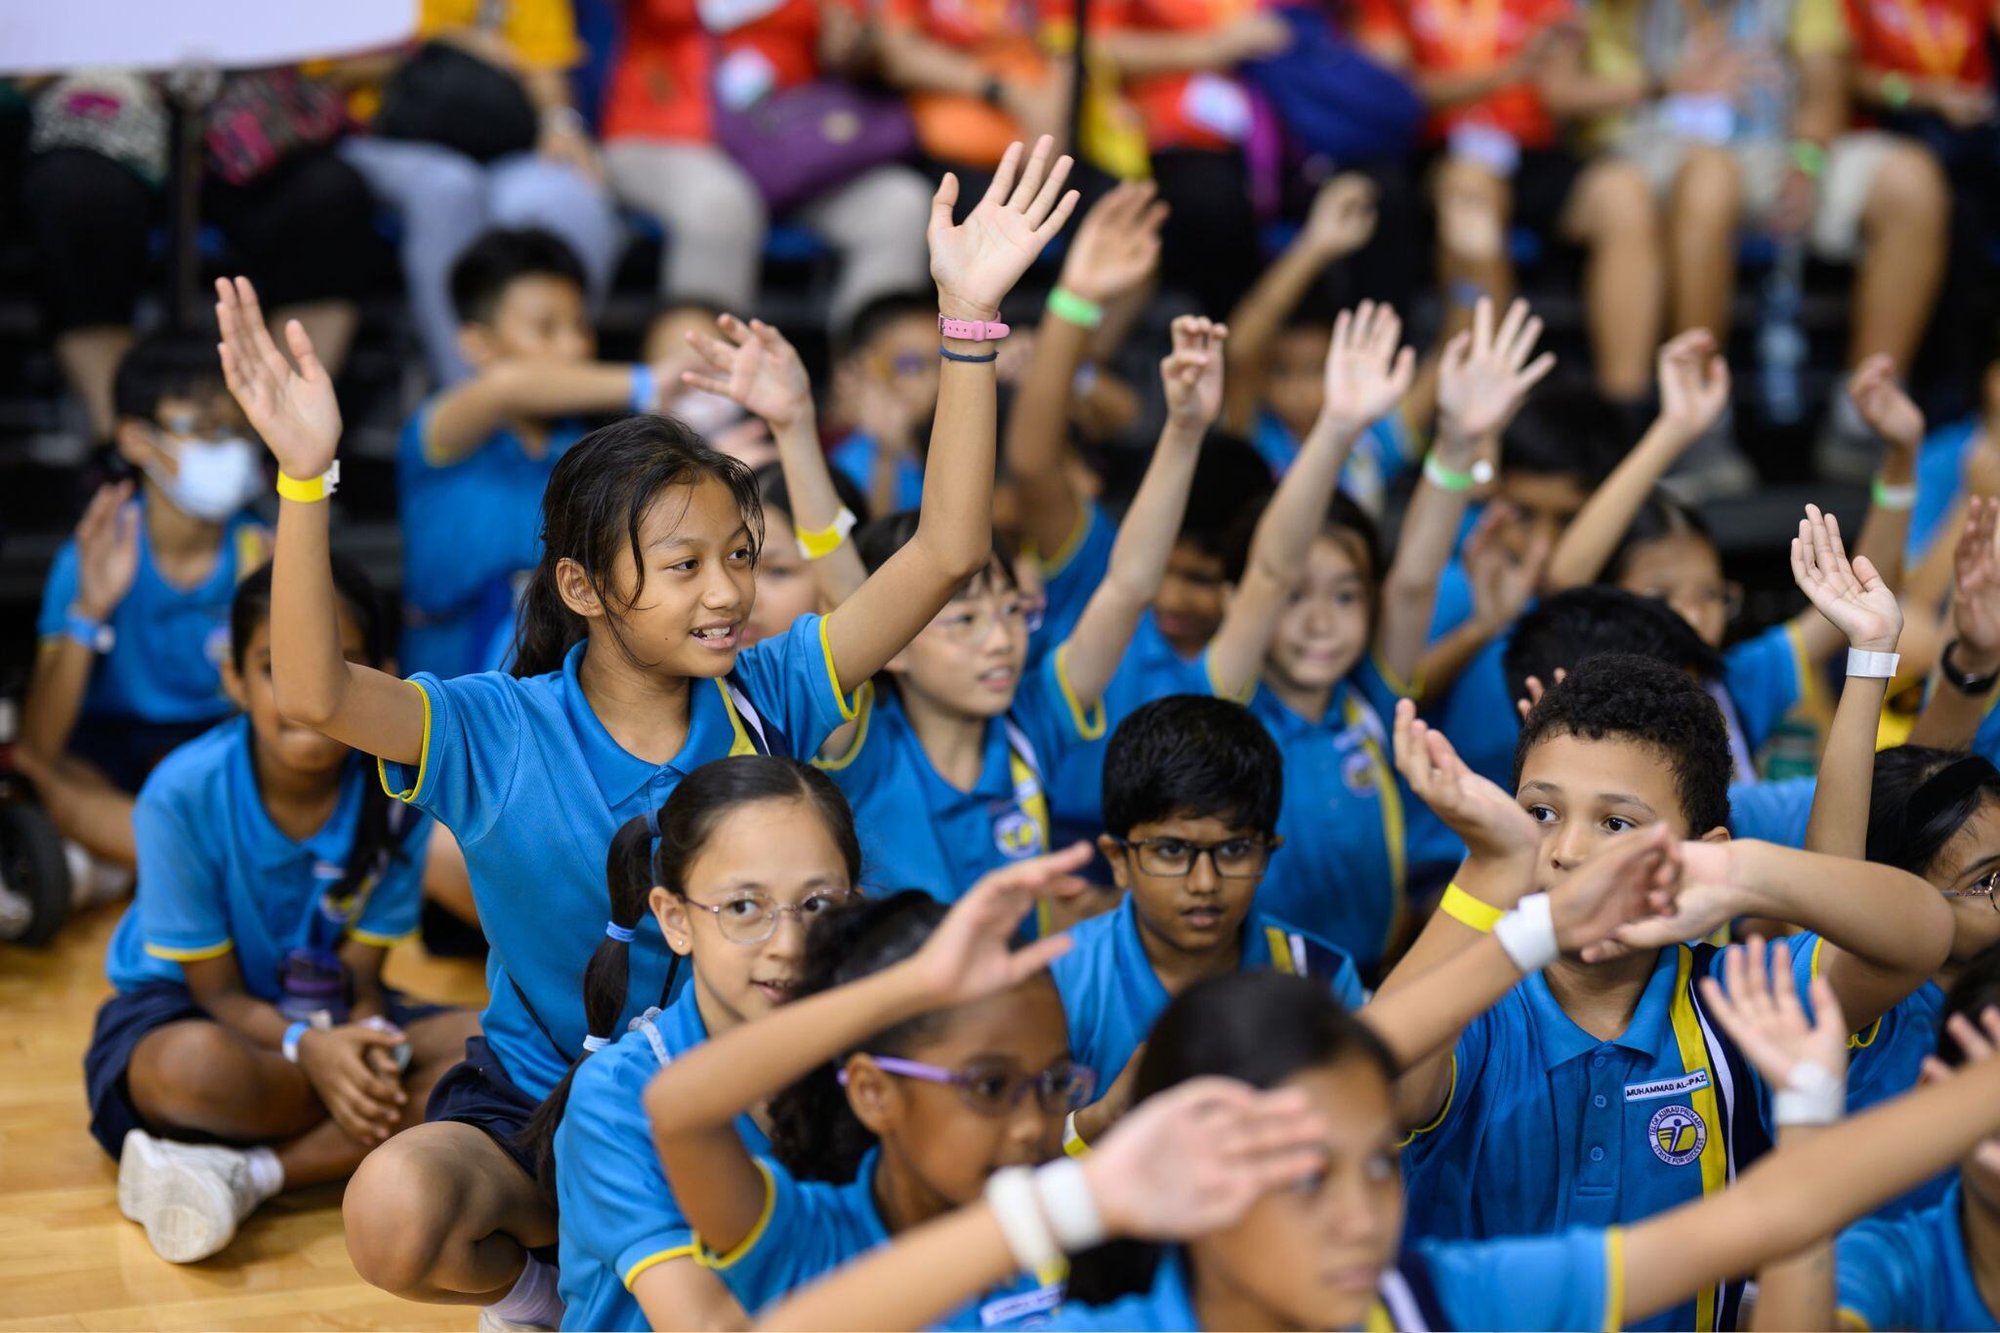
[
  {"x": 124, "y": 1022},
  {"x": 125, "y": 749},
  {"x": 478, "y": 1092}
]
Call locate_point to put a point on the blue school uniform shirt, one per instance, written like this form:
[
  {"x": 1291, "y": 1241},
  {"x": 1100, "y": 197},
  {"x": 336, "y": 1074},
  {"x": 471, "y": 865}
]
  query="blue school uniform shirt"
[
  {"x": 1340, "y": 873},
  {"x": 166, "y": 664},
  {"x": 217, "y": 876},
  {"x": 1568, "y": 1280},
  {"x": 1883, "y": 1061},
  {"x": 525, "y": 775},
  {"x": 1763, "y": 678},
  {"x": 810, "y": 1227},
  {"x": 918, "y": 831},
  {"x": 855, "y": 458},
  {"x": 472, "y": 530},
  {"x": 1940, "y": 482},
  {"x": 1070, "y": 575},
  {"x": 1546, "y": 1127},
  {"x": 618, "y": 1214},
  {"x": 1113, "y": 996},
  {"x": 1910, "y": 1273},
  {"x": 1378, "y": 460},
  {"x": 1772, "y": 811}
]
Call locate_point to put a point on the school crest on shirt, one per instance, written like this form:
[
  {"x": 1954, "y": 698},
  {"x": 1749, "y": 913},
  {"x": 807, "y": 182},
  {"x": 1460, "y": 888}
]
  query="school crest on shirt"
[
  {"x": 1017, "y": 835},
  {"x": 1677, "y": 1134},
  {"x": 216, "y": 646}
]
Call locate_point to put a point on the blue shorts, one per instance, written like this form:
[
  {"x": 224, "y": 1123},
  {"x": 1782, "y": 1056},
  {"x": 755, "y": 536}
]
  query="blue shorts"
[
  {"x": 125, "y": 1020},
  {"x": 125, "y": 749},
  {"x": 478, "y": 1092}
]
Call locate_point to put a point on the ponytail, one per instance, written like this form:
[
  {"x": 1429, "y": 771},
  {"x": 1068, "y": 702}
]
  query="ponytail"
[{"x": 629, "y": 872}]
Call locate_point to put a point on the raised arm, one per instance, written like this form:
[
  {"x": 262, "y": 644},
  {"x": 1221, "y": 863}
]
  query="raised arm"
[
  {"x": 1116, "y": 249},
  {"x": 694, "y": 1101},
  {"x": 107, "y": 560},
  {"x": 1192, "y": 374},
  {"x": 1483, "y": 378},
  {"x": 1136, "y": 54},
  {"x": 1502, "y": 586},
  {"x": 754, "y": 366},
  {"x": 975, "y": 264},
  {"x": 1857, "y": 603},
  {"x": 293, "y": 409},
  {"x": 463, "y": 417},
  {"x": 1951, "y": 716},
  {"x": 1366, "y": 376},
  {"x": 1341, "y": 221},
  {"x": 1694, "y": 389}
]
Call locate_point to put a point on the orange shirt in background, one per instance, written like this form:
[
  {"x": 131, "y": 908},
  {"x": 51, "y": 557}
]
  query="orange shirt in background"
[
  {"x": 1188, "y": 110},
  {"x": 1005, "y": 37},
  {"x": 1466, "y": 36},
  {"x": 671, "y": 65},
  {"x": 1923, "y": 39}
]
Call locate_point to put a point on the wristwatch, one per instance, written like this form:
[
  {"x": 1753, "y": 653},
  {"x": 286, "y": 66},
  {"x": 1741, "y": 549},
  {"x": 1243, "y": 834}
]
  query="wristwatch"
[{"x": 1972, "y": 686}]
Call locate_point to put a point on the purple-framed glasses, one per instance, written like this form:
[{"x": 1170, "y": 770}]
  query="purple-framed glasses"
[{"x": 996, "y": 1089}]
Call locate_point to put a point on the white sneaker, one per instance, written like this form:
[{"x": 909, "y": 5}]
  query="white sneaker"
[
  {"x": 499, "y": 1323},
  {"x": 189, "y": 1197}
]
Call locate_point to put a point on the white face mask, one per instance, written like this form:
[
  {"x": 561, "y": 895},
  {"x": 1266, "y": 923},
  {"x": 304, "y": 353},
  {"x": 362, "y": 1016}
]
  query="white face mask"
[{"x": 216, "y": 477}]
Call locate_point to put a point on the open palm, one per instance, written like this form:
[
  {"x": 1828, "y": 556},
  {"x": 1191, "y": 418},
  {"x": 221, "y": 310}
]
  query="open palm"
[
  {"x": 1117, "y": 245},
  {"x": 1485, "y": 373},
  {"x": 1694, "y": 383},
  {"x": 1883, "y": 404},
  {"x": 1367, "y": 369},
  {"x": 1759, "y": 1008},
  {"x": 292, "y": 407},
  {"x": 1852, "y": 596},
  {"x": 1976, "y": 596},
  {"x": 754, "y": 366},
  {"x": 971, "y": 954},
  {"x": 977, "y": 262},
  {"x": 1489, "y": 821}
]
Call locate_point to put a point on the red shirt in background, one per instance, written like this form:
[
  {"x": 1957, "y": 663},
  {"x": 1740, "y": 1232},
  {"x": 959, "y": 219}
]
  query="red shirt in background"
[
  {"x": 677, "y": 56},
  {"x": 1924, "y": 39},
  {"x": 1466, "y": 36},
  {"x": 1205, "y": 110}
]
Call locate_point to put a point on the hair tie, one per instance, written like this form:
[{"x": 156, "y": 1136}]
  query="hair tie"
[
  {"x": 1946, "y": 788},
  {"x": 595, "y": 1043},
  {"x": 623, "y": 934}
]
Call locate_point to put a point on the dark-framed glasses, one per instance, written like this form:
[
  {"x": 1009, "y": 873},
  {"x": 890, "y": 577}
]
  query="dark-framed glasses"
[{"x": 1173, "y": 858}]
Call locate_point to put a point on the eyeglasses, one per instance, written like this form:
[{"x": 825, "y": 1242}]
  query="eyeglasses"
[
  {"x": 968, "y": 624},
  {"x": 996, "y": 1089},
  {"x": 1983, "y": 889},
  {"x": 1233, "y": 858},
  {"x": 752, "y": 918}
]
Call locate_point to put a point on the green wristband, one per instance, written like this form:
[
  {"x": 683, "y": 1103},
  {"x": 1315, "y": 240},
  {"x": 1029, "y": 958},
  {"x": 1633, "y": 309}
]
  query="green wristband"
[
  {"x": 1896, "y": 91},
  {"x": 1444, "y": 478},
  {"x": 1809, "y": 157},
  {"x": 1066, "y": 305}
]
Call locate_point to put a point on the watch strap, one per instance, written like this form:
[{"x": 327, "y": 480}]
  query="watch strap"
[{"x": 973, "y": 330}]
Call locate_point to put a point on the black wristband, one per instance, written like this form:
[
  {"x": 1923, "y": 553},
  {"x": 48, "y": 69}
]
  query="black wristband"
[{"x": 1971, "y": 686}]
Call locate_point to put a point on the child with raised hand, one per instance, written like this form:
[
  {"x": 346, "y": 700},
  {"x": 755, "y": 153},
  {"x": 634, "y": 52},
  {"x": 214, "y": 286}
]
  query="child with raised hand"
[
  {"x": 631, "y": 674},
  {"x": 1959, "y": 712},
  {"x": 1319, "y": 640},
  {"x": 133, "y": 629},
  {"x": 1611, "y": 1046},
  {"x": 752, "y": 850},
  {"x": 251, "y": 1046},
  {"x": 948, "y": 763},
  {"x": 1654, "y": 546},
  {"x": 922, "y": 1053}
]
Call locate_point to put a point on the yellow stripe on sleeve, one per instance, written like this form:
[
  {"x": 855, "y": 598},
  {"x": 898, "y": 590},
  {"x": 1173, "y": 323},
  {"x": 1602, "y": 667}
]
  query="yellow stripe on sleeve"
[
  {"x": 655, "y": 1260},
  {"x": 423, "y": 759},
  {"x": 865, "y": 709},
  {"x": 371, "y": 938},
  {"x": 195, "y": 955},
  {"x": 1450, "y": 1095},
  {"x": 1055, "y": 563},
  {"x": 847, "y": 703},
  {"x": 707, "y": 1258},
  {"x": 1089, "y": 722}
]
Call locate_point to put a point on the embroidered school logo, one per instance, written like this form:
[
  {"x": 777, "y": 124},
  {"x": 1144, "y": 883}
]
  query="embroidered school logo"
[
  {"x": 1017, "y": 836},
  {"x": 1358, "y": 771},
  {"x": 1677, "y": 1134},
  {"x": 216, "y": 646}
]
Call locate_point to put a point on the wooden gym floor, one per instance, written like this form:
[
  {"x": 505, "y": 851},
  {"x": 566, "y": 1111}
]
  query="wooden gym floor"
[{"x": 69, "y": 1260}]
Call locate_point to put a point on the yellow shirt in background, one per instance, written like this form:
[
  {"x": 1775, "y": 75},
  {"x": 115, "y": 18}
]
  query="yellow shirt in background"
[{"x": 541, "y": 33}]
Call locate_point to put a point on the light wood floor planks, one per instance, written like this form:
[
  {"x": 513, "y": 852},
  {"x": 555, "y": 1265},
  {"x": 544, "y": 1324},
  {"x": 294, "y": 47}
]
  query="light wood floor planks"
[{"x": 68, "y": 1260}]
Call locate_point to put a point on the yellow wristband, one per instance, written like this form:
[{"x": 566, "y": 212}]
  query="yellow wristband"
[
  {"x": 813, "y": 545},
  {"x": 1073, "y": 1144},
  {"x": 311, "y": 490},
  {"x": 1462, "y": 907}
]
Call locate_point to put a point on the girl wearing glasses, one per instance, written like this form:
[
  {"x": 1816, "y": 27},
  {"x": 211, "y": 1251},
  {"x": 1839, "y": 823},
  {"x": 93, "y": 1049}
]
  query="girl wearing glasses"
[
  {"x": 751, "y": 850},
  {"x": 922, "y": 1056},
  {"x": 947, "y": 763}
]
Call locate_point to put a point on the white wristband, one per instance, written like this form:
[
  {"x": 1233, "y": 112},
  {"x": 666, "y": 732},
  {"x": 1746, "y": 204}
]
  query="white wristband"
[
  {"x": 1067, "y": 1205},
  {"x": 1011, "y": 1195},
  {"x": 1528, "y": 933},
  {"x": 1811, "y": 1096},
  {"x": 1872, "y": 666}
]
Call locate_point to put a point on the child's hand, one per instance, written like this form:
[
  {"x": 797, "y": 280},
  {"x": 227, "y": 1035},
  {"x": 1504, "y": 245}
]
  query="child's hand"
[
  {"x": 1117, "y": 245},
  {"x": 1977, "y": 1041},
  {"x": 1192, "y": 372},
  {"x": 1484, "y": 375},
  {"x": 977, "y": 262},
  {"x": 1694, "y": 385},
  {"x": 1532, "y": 692},
  {"x": 1502, "y": 586},
  {"x": 294, "y": 410},
  {"x": 1884, "y": 406},
  {"x": 971, "y": 955},
  {"x": 1760, "y": 1011},
  {"x": 1342, "y": 217},
  {"x": 1975, "y": 604},
  {"x": 1628, "y": 880},
  {"x": 1853, "y": 597},
  {"x": 107, "y": 551},
  {"x": 1486, "y": 818},
  {"x": 1366, "y": 374},
  {"x": 756, "y": 368},
  {"x": 1708, "y": 897},
  {"x": 365, "y": 1101},
  {"x": 1229, "y": 1146},
  {"x": 1113, "y": 1102}
]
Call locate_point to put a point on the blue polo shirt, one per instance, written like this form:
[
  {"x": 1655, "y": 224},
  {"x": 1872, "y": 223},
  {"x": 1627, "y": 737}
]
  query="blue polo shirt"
[
  {"x": 918, "y": 831},
  {"x": 855, "y": 458},
  {"x": 1070, "y": 575},
  {"x": 1113, "y": 996},
  {"x": 1763, "y": 678},
  {"x": 533, "y": 786},
  {"x": 166, "y": 664},
  {"x": 471, "y": 529},
  {"x": 1547, "y": 1128},
  {"x": 1884, "y": 1061},
  {"x": 1910, "y": 1273},
  {"x": 810, "y": 1227},
  {"x": 216, "y": 875},
  {"x": 1379, "y": 459},
  {"x": 1340, "y": 873},
  {"x": 1531, "y": 1282},
  {"x": 1940, "y": 482},
  {"x": 618, "y": 1214}
]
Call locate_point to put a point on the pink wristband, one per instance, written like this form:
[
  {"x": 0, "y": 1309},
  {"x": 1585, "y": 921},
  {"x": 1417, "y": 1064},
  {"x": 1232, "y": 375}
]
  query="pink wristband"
[{"x": 972, "y": 330}]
